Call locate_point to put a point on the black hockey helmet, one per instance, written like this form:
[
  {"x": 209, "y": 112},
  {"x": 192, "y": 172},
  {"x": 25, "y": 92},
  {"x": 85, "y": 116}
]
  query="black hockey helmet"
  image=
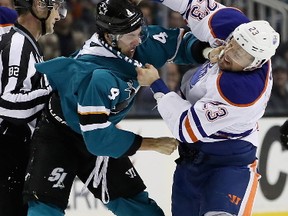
[
  {"x": 118, "y": 17},
  {"x": 20, "y": 4}
]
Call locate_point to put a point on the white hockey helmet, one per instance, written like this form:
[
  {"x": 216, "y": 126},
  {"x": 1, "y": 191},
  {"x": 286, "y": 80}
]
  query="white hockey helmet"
[{"x": 259, "y": 39}]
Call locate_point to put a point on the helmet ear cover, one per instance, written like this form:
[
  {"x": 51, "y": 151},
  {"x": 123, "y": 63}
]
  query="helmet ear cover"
[{"x": 259, "y": 39}]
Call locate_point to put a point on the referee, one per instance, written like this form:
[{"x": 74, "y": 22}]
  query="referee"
[{"x": 23, "y": 92}]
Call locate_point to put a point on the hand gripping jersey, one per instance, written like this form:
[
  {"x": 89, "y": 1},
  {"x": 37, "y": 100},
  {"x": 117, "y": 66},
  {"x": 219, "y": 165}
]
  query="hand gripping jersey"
[
  {"x": 98, "y": 86},
  {"x": 225, "y": 105}
]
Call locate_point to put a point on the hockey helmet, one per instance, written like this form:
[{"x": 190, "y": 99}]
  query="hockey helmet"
[
  {"x": 259, "y": 39},
  {"x": 118, "y": 17},
  {"x": 44, "y": 3}
]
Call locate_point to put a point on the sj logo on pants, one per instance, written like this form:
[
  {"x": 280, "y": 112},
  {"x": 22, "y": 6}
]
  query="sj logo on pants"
[{"x": 57, "y": 175}]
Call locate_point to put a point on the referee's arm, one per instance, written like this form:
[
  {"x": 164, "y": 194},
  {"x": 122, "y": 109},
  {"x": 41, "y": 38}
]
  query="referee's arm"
[{"x": 22, "y": 95}]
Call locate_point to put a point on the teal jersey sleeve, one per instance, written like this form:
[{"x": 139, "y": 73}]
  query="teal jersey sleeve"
[
  {"x": 185, "y": 53},
  {"x": 97, "y": 98},
  {"x": 164, "y": 45},
  {"x": 160, "y": 46}
]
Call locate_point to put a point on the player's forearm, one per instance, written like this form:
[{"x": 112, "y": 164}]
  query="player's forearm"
[
  {"x": 163, "y": 145},
  {"x": 147, "y": 144}
]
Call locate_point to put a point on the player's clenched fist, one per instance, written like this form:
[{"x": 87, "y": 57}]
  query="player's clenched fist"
[
  {"x": 166, "y": 145},
  {"x": 147, "y": 75}
]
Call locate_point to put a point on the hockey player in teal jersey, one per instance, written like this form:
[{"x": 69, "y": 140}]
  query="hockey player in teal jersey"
[{"x": 96, "y": 89}]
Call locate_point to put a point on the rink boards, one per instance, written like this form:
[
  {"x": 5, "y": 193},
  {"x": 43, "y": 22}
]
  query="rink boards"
[{"x": 157, "y": 170}]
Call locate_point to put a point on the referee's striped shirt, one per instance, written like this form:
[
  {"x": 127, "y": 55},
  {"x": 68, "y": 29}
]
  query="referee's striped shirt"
[{"x": 22, "y": 93}]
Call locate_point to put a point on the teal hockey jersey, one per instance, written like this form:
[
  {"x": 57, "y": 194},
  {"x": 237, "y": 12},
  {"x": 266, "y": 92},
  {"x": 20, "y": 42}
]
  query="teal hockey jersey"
[{"x": 97, "y": 86}]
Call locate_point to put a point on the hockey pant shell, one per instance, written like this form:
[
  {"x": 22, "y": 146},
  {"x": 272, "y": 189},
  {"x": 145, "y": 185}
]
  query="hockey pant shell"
[
  {"x": 200, "y": 188},
  {"x": 57, "y": 158}
]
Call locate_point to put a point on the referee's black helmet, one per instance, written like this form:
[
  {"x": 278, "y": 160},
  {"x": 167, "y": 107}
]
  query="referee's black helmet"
[{"x": 20, "y": 4}]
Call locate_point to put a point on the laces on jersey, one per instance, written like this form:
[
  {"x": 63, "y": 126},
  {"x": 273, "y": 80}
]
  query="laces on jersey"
[{"x": 99, "y": 174}]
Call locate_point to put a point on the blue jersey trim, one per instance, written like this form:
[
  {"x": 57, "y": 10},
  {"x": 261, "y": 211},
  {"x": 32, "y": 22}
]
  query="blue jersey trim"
[
  {"x": 7, "y": 15},
  {"x": 225, "y": 21},
  {"x": 182, "y": 117},
  {"x": 198, "y": 123},
  {"x": 159, "y": 86},
  {"x": 243, "y": 88},
  {"x": 225, "y": 135}
]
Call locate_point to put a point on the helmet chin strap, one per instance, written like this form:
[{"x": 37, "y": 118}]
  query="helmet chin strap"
[
  {"x": 114, "y": 40},
  {"x": 42, "y": 20}
]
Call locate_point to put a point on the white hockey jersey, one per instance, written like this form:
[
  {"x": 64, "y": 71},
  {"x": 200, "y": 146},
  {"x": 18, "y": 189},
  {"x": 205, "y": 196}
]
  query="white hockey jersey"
[{"x": 219, "y": 105}]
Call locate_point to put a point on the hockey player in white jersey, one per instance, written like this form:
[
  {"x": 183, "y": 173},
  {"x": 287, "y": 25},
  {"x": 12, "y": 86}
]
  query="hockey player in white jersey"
[{"x": 216, "y": 119}]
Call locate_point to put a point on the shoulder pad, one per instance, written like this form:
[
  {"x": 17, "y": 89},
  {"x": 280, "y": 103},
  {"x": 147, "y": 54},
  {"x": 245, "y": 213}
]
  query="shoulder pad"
[{"x": 243, "y": 88}]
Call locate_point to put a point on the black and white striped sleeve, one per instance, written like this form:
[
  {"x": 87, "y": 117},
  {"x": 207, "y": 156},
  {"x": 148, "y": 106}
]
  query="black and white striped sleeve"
[{"x": 22, "y": 95}]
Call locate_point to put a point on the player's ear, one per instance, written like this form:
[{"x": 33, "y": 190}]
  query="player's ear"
[{"x": 108, "y": 38}]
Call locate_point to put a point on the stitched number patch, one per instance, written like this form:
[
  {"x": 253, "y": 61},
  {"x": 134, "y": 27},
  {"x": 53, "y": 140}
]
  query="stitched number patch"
[
  {"x": 213, "y": 115},
  {"x": 214, "y": 110},
  {"x": 114, "y": 92},
  {"x": 162, "y": 37},
  {"x": 202, "y": 9}
]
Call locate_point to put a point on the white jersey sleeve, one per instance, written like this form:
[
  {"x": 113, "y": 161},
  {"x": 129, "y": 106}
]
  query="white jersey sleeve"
[{"x": 208, "y": 20}]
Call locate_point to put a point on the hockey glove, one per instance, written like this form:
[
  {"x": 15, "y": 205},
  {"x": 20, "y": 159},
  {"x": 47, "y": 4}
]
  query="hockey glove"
[{"x": 284, "y": 135}]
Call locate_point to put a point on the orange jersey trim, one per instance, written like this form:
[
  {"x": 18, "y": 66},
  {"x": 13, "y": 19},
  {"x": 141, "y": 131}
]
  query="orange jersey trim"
[
  {"x": 250, "y": 201},
  {"x": 92, "y": 113},
  {"x": 189, "y": 130},
  {"x": 6, "y": 24}
]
